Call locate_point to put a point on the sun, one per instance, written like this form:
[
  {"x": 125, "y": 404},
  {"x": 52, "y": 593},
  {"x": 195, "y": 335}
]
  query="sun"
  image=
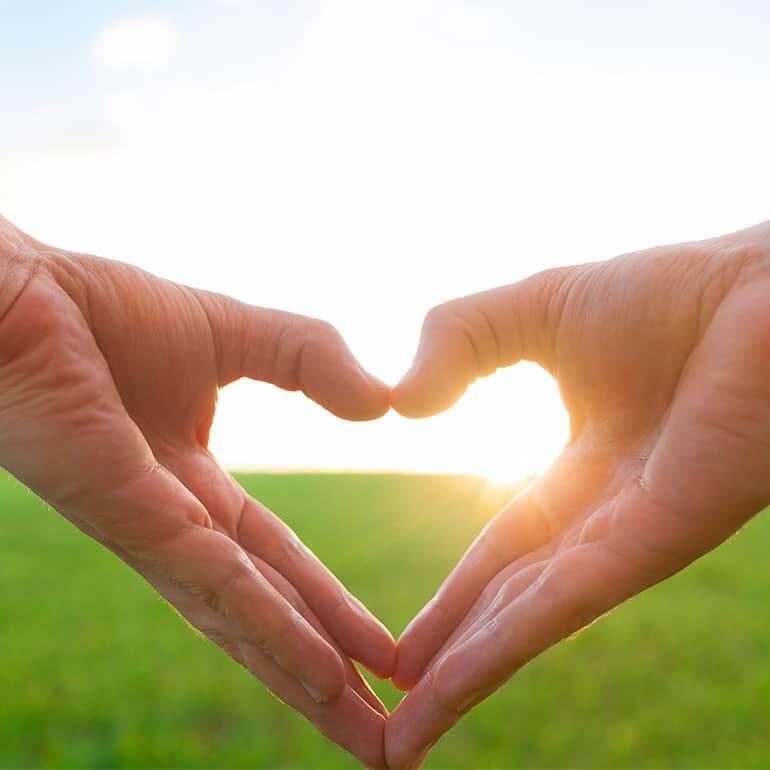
[
  {"x": 506, "y": 428},
  {"x": 525, "y": 425}
]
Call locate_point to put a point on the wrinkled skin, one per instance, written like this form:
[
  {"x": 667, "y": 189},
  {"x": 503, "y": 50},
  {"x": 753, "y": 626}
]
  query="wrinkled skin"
[
  {"x": 108, "y": 386},
  {"x": 663, "y": 361}
]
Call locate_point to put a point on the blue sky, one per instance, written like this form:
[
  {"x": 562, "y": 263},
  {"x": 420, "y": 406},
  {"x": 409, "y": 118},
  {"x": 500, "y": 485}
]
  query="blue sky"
[
  {"x": 46, "y": 42},
  {"x": 361, "y": 160}
]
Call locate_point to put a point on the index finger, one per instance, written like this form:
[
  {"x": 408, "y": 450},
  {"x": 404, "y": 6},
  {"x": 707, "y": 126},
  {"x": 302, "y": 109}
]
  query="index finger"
[
  {"x": 210, "y": 566},
  {"x": 536, "y": 517},
  {"x": 518, "y": 529},
  {"x": 353, "y": 626}
]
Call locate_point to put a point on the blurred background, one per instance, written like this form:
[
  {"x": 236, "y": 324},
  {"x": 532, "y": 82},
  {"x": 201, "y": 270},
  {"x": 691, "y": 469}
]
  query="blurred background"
[
  {"x": 96, "y": 671},
  {"x": 362, "y": 160}
]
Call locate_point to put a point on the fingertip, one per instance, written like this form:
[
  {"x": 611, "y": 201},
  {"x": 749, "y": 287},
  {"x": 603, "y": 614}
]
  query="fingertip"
[
  {"x": 354, "y": 725},
  {"x": 352, "y": 394},
  {"x": 418, "y": 643},
  {"x": 381, "y": 658},
  {"x": 374, "y": 759},
  {"x": 422, "y": 394},
  {"x": 408, "y": 403},
  {"x": 403, "y": 673},
  {"x": 320, "y": 364},
  {"x": 376, "y": 382},
  {"x": 365, "y": 638},
  {"x": 403, "y": 687},
  {"x": 408, "y": 670},
  {"x": 325, "y": 682},
  {"x": 375, "y": 399},
  {"x": 415, "y": 726},
  {"x": 368, "y": 743},
  {"x": 403, "y": 682},
  {"x": 376, "y": 651}
]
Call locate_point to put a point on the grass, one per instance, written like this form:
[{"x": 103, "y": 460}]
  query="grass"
[{"x": 95, "y": 671}]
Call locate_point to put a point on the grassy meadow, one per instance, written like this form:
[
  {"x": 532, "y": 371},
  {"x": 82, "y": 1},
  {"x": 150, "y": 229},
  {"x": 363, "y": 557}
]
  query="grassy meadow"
[{"x": 95, "y": 671}]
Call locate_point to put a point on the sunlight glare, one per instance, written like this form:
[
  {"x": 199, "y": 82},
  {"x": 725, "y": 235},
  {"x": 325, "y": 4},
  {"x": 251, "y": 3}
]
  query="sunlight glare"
[
  {"x": 362, "y": 161},
  {"x": 505, "y": 428}
]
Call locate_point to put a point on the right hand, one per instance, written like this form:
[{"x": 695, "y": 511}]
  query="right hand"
[{"x": 108, "y": 385}]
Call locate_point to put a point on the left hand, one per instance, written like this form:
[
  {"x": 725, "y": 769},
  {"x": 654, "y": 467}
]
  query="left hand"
[{"x": 663, "y": 361}]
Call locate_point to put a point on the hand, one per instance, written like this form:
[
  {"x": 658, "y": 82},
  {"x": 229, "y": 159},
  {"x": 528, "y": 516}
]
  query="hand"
[
  {"x": 663, "y": 362},
  {"x": 108, "y": 386}
]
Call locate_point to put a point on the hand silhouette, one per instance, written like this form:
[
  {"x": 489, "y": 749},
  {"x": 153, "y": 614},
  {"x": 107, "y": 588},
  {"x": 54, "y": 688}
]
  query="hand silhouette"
[
  {"x": 663, "y": 362},
  {"x": 108, "y": 386}
]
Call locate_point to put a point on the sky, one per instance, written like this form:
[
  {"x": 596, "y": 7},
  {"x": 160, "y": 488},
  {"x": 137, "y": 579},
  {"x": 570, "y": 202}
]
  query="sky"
[{"x": 363, "y": 160}]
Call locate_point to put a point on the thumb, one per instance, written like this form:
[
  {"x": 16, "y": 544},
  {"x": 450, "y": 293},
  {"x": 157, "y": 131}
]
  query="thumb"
[
  {"x": 293, "y": 352},
  {"x": 474, "y": 336}
]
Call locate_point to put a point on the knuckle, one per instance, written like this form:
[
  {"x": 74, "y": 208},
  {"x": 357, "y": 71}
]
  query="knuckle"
[
  {"x": 225, "y": 642},
  {"x": 556, "y": 588},
  {"x": 746, "y": 256},
  {"x": 260, "y": 643},
  {"x": 282, "y": 635},
  {"x": 488, "y": 594},
  {"x": 285, "y": 588},
  {"x": 441, "y": 681},
  {"x": 195, "y": 589},
  {"x": 323, "y": 331},
  {"x": 130, "y": 500},
  {"x": 32, "y": 313},
  {"x": 492, "y": 631},
  {"x": 466, "y": 320},
  {"x": 294, "y": 599},
  {"x": 433, "y": 679},
  {"x": 753, "y": 313},
  {"x": 445, "y": 314},
  {"x": 546, "y": 297},
  {"x": 19, "y": 266},
  {"x": 299, "y": 339},
  {"x": 575, "y": 588},
  {"x": 291, "y": 550},
  {"x": 240, "y": 571},
  {"x": 551, "y": 279}
]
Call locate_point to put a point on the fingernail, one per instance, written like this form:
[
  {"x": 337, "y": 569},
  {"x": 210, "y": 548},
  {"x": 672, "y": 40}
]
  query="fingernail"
[{"x": 312, "y": 692}]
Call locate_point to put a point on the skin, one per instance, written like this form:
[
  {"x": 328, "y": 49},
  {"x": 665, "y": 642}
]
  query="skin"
[
  {"x": 663, "y": 362},
  {"x": 108, "y": 387}
]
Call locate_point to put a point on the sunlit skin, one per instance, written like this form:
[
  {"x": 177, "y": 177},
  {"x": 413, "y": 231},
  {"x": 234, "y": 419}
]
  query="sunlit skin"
[
  {"x": 108, "y": 387},
  {"x": 663, "y": 361}
]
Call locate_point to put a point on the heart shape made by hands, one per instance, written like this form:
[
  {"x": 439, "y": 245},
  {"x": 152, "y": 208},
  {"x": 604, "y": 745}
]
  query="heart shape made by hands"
[{"x": 108, "y": 386}]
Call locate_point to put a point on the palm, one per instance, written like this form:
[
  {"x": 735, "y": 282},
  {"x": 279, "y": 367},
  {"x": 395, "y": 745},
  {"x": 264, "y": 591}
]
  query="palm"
[
  {"x": 110, "y": 379},
  {"x": 661, "y": 359}
]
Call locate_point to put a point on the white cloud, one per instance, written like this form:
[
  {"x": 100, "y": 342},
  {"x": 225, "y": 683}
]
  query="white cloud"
[{"x": 136, "y": 45}]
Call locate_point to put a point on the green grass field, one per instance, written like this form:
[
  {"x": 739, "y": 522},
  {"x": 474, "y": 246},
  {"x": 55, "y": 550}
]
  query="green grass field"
[{"x": 95, "y": 671}]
